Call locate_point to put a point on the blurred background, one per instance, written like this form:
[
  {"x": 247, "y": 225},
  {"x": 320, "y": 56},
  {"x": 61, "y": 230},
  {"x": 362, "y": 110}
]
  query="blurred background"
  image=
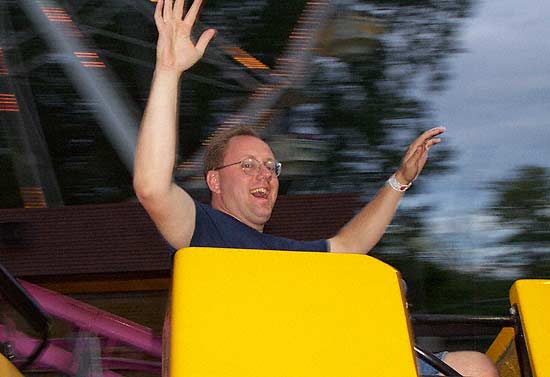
[{"x": 339, "y": 88}]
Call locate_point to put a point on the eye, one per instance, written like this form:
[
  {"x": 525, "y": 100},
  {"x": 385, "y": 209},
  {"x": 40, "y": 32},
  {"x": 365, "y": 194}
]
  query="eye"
[
  {"x": 248, "y": 164},
  {"x": 270, "y": 165}
]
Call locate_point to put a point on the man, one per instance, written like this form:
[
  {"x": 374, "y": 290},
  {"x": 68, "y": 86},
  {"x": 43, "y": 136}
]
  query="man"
[{"x": 242, "y": 174}]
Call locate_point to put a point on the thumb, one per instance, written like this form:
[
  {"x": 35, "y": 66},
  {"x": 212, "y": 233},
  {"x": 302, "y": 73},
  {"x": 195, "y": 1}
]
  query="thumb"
[{"x": 204, "y": 40}]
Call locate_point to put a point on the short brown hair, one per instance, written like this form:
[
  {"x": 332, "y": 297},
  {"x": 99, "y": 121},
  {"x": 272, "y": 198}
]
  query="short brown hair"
[{"x": 215, "y": 151}]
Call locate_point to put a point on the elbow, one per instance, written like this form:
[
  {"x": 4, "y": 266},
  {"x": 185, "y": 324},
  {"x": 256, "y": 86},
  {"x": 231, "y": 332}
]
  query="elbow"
[
  {"x": 147, "y": 191},
  {"x": 141, "y": 189},
  {"x": 340, "y": 244}
]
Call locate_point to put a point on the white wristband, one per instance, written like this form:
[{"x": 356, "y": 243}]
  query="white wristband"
[{"x": 394, "y": 184}]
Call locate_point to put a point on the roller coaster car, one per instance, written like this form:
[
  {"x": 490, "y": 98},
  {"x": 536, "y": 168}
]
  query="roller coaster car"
[
  {"x": 251, "y": 313},
  {"x": 523, "y": 349}
]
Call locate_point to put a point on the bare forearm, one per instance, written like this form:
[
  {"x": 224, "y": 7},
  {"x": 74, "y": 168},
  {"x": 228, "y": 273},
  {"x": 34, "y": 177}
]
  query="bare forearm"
[
  {"x": 364, "y": 231},
  {"x": 170, "y": 207},
  {"x": 157, "y": 140}
]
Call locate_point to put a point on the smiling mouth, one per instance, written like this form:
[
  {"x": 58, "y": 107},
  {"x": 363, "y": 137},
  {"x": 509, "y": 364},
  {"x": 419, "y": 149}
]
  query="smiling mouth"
[{"x": 260, "y": 193}]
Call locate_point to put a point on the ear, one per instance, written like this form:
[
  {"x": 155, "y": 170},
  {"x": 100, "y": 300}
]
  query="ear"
[{"x": 213, "y": 181}]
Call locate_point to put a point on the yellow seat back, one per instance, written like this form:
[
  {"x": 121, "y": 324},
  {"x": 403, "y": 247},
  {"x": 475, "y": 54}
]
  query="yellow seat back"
[
  {"x": 531, "y": 299},
  {"x": 257, "y": 313}
]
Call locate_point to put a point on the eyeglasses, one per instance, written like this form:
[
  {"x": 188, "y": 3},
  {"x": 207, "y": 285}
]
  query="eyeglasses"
[{"x": 251, "y": 166}]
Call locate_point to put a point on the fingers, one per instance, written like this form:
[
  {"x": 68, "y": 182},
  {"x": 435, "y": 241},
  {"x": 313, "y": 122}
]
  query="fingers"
[
  {"x": 158, "y": 13},
  {"x": 430, "y": 134},
  {"x": 431, "y": 142},
  {"x": 417, "y": 154},
  {"x": 421, "y": 151},
  {"x": 426, "y": 139},
  {"x": 167, "y": 10},
  {"x": 191, "y": 15},
  {"x": 204, "y": 40},
  {"x": 434, "y": 131},
  {"x": 178, "y": 9},
  {"x": 427, "y": 144}
]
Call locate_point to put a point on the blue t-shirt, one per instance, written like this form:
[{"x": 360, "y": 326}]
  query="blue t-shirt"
[{"x": 214, "y": 228}]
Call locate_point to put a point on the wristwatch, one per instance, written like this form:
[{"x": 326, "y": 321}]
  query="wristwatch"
[{"x": 394, "y": 184}]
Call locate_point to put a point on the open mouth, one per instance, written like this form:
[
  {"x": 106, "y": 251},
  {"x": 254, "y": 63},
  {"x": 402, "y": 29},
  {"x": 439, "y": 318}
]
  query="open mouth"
[{"x": 260, "y": 193}]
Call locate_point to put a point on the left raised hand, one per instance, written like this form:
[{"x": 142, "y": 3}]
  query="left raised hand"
[{"x": 417, "y": 154}]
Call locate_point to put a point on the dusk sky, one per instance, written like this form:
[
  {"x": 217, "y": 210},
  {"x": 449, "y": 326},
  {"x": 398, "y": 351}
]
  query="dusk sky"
[{"x": 496, "y": 110}]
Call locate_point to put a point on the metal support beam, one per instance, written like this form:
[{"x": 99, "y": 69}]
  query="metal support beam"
[
  {"x": 27, "y": 147},
  {"x": 93, "y": 82}
]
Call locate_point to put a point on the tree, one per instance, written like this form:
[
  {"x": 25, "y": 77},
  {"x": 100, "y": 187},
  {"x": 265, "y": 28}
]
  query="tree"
[
  {"x": 365, "y": 120},
  {"x": 522, "y": 206}
]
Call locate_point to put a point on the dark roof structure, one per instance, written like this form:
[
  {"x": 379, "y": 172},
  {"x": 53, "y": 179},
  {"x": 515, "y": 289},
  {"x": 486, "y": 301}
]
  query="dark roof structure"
[{"x": 120, "y": 239}]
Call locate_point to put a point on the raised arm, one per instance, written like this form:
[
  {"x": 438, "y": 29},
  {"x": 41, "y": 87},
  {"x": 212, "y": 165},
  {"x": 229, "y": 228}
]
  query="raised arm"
[
  {"x": 367, "y": 227},
  {"x": 170, "y": 207}
]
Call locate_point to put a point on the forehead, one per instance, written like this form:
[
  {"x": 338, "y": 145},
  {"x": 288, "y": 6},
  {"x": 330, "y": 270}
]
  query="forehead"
[{"x": 242, "y": 146}]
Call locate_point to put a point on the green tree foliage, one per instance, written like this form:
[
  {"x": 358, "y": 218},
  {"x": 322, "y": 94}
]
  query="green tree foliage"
[
  {"x": 522, "y": 207},
  {"x": 363, "y": 97},
  {"x": 365, "y": 113},
  {"x": 434, "y": 287}
]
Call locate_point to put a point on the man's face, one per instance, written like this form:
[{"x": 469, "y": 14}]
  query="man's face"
[{"x": 248, "y": 198}]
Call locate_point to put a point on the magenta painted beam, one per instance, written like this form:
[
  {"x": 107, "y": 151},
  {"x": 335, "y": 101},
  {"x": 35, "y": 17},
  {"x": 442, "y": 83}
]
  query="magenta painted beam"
[
  {"x": 52, "y": 357},
  {"x": 97, "y": 321}
]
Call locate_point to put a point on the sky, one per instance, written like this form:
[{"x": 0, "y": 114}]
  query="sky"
[{"x": 497, "y": 113}]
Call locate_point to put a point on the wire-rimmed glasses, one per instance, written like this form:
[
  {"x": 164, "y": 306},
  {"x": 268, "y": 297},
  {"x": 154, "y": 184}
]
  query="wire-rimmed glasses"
[{"x": 252, "y": 167}]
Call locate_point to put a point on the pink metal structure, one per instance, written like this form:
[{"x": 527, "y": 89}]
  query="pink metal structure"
[
  {"x": 102, "y": 323},
  {"x": 87, "y": 318}
]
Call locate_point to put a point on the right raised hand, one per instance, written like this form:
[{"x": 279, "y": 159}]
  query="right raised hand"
[{"x": 175, "y": 49}]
